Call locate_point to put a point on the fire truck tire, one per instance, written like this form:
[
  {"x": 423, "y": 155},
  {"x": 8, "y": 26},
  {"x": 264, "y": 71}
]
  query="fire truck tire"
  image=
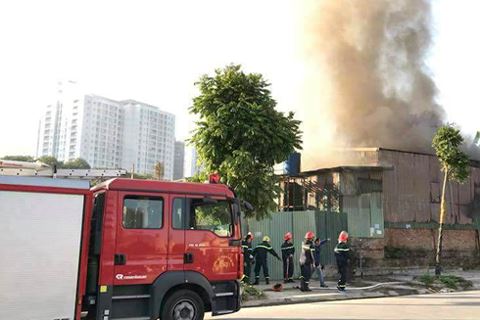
[{"x": 183, "y": 305}]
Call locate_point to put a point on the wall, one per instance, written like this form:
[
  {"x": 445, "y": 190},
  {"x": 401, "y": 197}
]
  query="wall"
[
  {"x": 361, "y": 194},
  {"x": 418, "y": 247},
  {"x": 324, "y": 224},
  {"x": 412, "y": 190},
  {"x": 411, "y": 205}
]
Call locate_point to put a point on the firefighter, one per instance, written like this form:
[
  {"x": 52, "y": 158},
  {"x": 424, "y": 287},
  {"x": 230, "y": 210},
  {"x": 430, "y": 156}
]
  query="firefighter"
[
  {"x": 342, "y": 255},
  {"x": 306, "y": 261},
  {"x": 247, "y": 257},
  {"x": 288, "y": 250},
  {"x": 260, "y": 253}
]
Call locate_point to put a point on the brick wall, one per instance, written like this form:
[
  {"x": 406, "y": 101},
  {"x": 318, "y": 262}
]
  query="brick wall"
[{"x": 416, "y": 247}]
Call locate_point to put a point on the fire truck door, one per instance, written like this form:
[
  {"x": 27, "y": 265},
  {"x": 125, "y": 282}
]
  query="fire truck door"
[
  {"x": 141, "y": 248},
  {"x": 210, "y": 248}
]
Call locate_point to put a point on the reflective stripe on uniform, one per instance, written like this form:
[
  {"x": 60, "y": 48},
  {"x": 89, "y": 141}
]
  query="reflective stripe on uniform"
[
  {"x": 340, "y": 249},
  {"x": 288, "y": 248},
  {"x": 304, "y": 247},
  {"x": 264, "y": 247}
]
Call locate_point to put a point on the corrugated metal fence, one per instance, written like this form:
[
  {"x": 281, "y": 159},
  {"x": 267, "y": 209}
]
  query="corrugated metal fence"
[{"x": 324, "y": 224}]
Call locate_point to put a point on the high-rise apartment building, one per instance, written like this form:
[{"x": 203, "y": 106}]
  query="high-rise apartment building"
[
  {"x": 179, "y": 160},
  {"x": 101, "y": 141},
  {"x": 107, "y": 133},
  {"x": 148, "y": 138},
  {"x": 192, "y": 165},
  {"x": 53, "y": 125}
]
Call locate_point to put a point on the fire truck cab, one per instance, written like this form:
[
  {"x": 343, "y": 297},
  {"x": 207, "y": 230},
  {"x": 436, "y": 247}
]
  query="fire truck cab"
[{"x": 124, "y": 249}]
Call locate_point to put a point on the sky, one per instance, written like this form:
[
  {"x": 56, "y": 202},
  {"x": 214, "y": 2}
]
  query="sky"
[
  {"x": 455, "y": 60},
  {"x": 154, "y": 51}
]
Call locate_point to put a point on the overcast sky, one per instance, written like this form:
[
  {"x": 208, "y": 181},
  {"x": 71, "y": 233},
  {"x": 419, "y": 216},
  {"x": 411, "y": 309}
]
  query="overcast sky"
[{"x": 153, "y": 51}]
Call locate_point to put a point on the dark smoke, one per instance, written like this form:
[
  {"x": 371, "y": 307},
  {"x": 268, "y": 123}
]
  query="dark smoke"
[{"x": 368, "y": 84}]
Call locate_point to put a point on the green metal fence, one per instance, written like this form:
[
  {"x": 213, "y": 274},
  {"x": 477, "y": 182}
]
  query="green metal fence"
[{"x": 324, "y": 224}]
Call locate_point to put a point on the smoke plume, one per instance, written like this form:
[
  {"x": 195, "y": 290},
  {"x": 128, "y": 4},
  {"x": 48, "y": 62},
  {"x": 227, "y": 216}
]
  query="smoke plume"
[{"x": 367, "y": 82}]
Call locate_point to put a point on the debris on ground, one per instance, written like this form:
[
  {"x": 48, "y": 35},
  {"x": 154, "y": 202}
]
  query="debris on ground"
[{"x": 249, "y": 292}]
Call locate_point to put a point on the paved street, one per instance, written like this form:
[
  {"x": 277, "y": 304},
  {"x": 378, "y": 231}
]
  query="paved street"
[{"x": 451, "y": 306}]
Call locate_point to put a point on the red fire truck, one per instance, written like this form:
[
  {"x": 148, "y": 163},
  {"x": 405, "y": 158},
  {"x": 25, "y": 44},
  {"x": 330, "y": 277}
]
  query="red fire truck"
[{"x": 124, "y": 249}]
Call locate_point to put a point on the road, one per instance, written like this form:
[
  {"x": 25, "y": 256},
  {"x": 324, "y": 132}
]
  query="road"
[{"x": 451, "y": 306}]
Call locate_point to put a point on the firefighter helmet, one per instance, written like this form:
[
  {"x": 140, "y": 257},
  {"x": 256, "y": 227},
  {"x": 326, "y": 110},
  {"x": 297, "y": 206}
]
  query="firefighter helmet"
[
  {"x": 343, "y": 236},
  {"x": 309, "y": 235},
  {"x": 266, "y": 238},
  {"x": 287, "y": 236},
  {"x": 277, "y": 287}
]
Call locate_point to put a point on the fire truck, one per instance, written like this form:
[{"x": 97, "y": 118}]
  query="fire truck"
[{"x": 123, "y": 249}]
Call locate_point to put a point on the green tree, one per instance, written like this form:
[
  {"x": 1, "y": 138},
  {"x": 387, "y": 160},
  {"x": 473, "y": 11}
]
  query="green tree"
[
  {"x": 138, "y": 176},
  {"x": 19, "y": 158},
  {"x": 159, "y": 171},
  {"x": 241, "y": 135},
  {"x": 455, "y": 166},
  {"x": 78, "y": 163},
  {"x": 51, "y": 161}
]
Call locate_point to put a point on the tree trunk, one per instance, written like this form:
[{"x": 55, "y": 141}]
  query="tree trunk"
[{"x": 443, "y": 212}]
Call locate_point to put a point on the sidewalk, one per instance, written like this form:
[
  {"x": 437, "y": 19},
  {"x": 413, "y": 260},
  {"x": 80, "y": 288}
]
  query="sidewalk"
[
  {"x": 291, "y": 294},
  {"x": 370, "y": 287}
]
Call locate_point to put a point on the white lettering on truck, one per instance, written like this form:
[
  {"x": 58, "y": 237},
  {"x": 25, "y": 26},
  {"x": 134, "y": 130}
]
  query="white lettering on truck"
[{"x": 132, "y": 277}]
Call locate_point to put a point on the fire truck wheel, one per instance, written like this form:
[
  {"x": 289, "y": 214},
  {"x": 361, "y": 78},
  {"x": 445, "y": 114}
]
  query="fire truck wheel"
[{"x": 183, "y": 305}]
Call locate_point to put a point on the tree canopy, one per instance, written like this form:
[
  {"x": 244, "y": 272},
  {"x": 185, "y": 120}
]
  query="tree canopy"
[
  {"x": 19, "y": 158},
  {"x": 51, "y": 161},
  {"x": 78, "y": 163},
  {"x": 241, "y": 135},
  {"x": 447, "y": 144}
]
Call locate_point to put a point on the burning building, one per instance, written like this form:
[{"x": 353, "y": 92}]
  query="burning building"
[
  {"x": 392, "y": 202},
  {"x": 368, "y": 84}
]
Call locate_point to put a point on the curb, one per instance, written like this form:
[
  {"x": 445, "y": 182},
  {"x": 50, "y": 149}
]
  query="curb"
[
  {"x": 350, "y": 288},
  {"x": 328, "y": 296},
  {"x": 306, "y": 299}
]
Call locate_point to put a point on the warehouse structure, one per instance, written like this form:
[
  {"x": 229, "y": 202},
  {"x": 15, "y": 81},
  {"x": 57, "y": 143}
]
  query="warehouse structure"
[{"x": 391, "y": 199}]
